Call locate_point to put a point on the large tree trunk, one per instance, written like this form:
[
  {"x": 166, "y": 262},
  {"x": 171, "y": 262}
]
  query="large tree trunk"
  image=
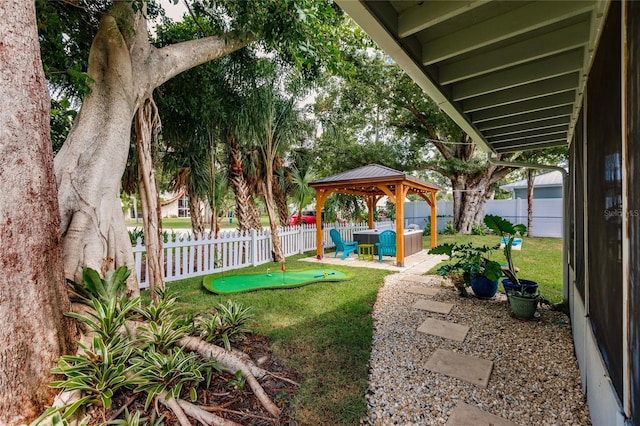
[
  {"x": 472, "y": 201},
  {"x": 125, "y": 69},
  {"x": 91, "y": 162},
  {"x": 471, "y": 191},
  {"x": 33, "y": 294}
]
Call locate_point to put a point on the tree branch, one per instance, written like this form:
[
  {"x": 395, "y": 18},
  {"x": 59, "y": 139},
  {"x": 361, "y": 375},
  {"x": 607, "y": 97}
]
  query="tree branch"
[
  {"x": 436, "y": 169},
  {"x": 176, "y": 58},
  {"x": 422, "y": 119}
]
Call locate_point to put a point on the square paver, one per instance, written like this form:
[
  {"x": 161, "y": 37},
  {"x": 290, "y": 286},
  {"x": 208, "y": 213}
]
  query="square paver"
[
  {"x": 425, "y": 279},
  {"x": 446, "y": 329},
  {"x": 425, "y": 291},
  {"x": 465, "y": 415},
  {"x": 433, "y": 306},
  {"x": 464, "y": 367}
]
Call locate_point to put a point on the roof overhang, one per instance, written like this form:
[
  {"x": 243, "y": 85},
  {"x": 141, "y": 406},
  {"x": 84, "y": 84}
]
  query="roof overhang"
[{"x": 510, "y": 73}]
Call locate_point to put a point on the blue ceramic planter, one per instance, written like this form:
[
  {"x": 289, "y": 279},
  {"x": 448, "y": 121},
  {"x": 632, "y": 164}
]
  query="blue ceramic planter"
[{"x": 483, "y": 287}]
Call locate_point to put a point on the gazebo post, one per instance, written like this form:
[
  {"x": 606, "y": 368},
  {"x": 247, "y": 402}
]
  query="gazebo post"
[
  {"x": 321, "y": 197},
  {"x": 371, "y": 206},
  {"x": 400, "y": 194},
  {"x": 434, "y": 219}
]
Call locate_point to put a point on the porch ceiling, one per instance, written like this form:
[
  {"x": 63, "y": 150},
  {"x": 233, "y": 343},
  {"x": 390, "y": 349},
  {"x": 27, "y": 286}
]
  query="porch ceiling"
[{"x": 510, "y": 73}]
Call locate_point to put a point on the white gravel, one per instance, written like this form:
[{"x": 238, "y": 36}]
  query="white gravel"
[{"x": 535, "y": 379}]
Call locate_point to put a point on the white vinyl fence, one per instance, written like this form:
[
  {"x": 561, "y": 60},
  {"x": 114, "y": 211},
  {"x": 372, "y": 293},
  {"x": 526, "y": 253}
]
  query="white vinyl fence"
[
  {"x": 185, "y": 256},
  {"x": 547, "y": 213}
]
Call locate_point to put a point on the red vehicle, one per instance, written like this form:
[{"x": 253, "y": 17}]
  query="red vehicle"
[{"x": 308, "y": 217}]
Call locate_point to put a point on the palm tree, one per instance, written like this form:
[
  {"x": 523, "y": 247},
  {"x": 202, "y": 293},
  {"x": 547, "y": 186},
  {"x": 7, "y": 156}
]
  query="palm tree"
[
  {"x": 246, "y": 210},
  {"x": 272, "y": 124},
  {"x": 281, "y": 187}
]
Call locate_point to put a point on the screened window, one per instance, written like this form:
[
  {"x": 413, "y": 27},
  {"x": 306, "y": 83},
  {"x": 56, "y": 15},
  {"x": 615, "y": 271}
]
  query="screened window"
[{"x": 604, "y": 198}]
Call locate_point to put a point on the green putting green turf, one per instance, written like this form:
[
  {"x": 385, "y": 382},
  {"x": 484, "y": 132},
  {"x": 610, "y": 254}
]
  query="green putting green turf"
[{"x": 237, "y": 283}]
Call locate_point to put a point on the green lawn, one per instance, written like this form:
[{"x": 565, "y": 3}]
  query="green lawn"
[
  {"x": 322, "y": 330},
  {"x": 539, "y": 260}
]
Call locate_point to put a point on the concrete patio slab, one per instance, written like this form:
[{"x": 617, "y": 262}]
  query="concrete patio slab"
[
  {"x": 425, "y": 291},
  {"x": 464, "y": 367},
  {"x": 388, "y": 262},
  {"x": 446, "y": 329},
  {"x": 467, "y": 415},
  {"x": 433, "y": 306}
]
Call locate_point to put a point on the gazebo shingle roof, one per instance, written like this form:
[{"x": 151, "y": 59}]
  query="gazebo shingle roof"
[{"x": 371, "y": 173}]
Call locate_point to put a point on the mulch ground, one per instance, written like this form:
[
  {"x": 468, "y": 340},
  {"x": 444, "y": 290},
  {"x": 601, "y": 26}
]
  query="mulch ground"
[{"x": 226, "y": 400}]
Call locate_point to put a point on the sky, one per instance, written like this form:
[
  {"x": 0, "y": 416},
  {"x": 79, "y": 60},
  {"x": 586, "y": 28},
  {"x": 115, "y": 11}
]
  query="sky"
[{"x": 174, "y": 11}]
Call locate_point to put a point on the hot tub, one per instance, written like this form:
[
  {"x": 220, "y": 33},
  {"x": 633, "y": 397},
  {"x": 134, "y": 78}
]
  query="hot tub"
[{"x": 412, "y": 239}]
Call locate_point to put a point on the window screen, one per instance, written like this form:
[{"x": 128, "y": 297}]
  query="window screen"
[
  {"x": 604, "y": 197},
  {"x": 633, "y": 214},
  {"x": 576, "y": 207}
]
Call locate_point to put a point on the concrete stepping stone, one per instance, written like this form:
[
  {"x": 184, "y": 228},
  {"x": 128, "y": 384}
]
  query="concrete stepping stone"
[
  {"x": 433, "y": 306},
  {"x": 425, "y": 291},
  {"x": 464, "y": 367},
  {"x": 446, "y": 329},
  {"x": 424, "y": 279},
  {"x": 466, "y": 415}
]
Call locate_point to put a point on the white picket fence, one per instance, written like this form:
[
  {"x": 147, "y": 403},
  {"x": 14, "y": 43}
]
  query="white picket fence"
[{"x": 186, "y": 256}]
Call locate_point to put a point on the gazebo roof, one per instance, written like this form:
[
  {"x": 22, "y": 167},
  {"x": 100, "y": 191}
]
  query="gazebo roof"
[{"x": 366, "y": 180}]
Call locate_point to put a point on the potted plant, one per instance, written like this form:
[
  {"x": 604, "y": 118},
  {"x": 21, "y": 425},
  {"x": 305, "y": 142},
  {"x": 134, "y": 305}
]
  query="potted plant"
[
  {"x": 522, "y": 294},
  {"x": 469, "y": 265}
]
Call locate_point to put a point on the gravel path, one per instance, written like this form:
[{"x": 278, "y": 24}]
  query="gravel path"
[{"x": 535, "y": 379}]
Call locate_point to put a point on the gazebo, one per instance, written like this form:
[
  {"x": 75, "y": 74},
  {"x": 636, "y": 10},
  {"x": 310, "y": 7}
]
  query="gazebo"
[{"x": 373, "y": 182}]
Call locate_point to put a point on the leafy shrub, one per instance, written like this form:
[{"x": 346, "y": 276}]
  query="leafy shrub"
[
  {"x": 449, "y": 229},
  {"x": 478, "y": 229},
  {"x": 426, "y": 231},
  {"x": 226, "y": 325},
  {"x": 116, "y": 361},
  {"x": 135, "y": 234},
  {"x": 171, "y": 372}
]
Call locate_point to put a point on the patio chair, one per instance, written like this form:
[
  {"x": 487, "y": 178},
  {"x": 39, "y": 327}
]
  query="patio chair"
[
  {"x": 345, "y": 247},
  {"x": 386, "y": 244}
]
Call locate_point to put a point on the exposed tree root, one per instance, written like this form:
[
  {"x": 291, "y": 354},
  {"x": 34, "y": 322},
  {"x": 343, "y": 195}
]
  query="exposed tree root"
[
  {"x": 232, "y": 363},
  {"x": 284, "y": 379},
  {"x": 173, "y": 405},
  {"x": 203, "y": 416},
  {"x": 226, "y": 410}
]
